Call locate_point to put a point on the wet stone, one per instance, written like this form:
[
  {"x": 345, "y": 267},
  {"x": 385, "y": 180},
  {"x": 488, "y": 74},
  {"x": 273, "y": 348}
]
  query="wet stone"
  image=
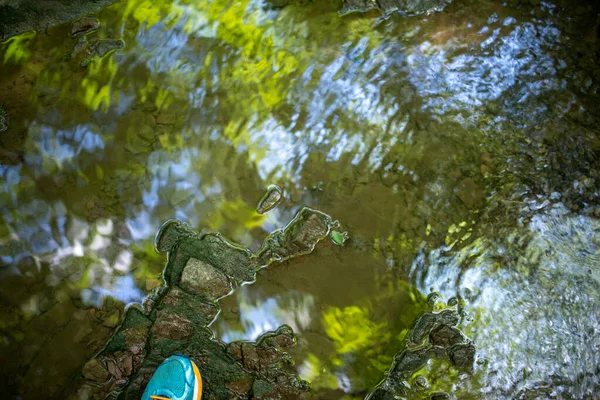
[
  {"x": 166, "y": 119},
  {"x": 171, "y": 233},
  {"x": 452, "y": 301},
  {"x": 420, "y": 382},
  {"x": 260, "y": 388},
  {"x": 204, "y": 280},
  {"x": 136, "y": 144},
  {"x": 84, "y": 25},
  {"x": 284, "y": 387},
  {"x": 95, "y": 371},
  {"x": 265, "y": 356},
  {"x": 381, "y": 393},
  {"x": 470, "y": 193},
  {"x": 446, "y": 336},
  {"x": 178, "y": 300},
  {"x": 254, "y": 359},
  {"x": 404, "y": 7},
  {"x": 433, "y": 298},
  {"x": 113, "y": 369},
  {"x": 79, "y": 46},
  {"x": 112, "y": 320},
  {"x": 135, "y": 337},
  {"x": 299, "y": 237},
  {"x": 212, "y": 248},
  {"x": 361, "y": 6},
  {"x": 536, "y": 393},
  {"x": 427, "y": 321},
  {"x": 282, "y": 338},
  {"x": 437, "y": 338},
  {"x": 462, "y": 355},
  {"x": 241, "y": 387},
  {"x": 102, "y": 47},
  {"x": 175, "y": 319},
  {"x": 172, "y": 326},
  {"x": 127, "y": 365},
  {"x": 270, "y": 200},
  {"x": 439, "y": 396},
  {"x": 409, "y": 361}
]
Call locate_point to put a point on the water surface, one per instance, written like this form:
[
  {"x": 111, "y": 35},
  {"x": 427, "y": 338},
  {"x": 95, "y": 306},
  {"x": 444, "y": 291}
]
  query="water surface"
[{"x": 459, "y": 150}]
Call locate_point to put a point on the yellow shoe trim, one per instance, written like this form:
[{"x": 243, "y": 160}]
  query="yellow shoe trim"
[
  {"x": 159, "y": 398},
  {"x": 198, "y": 379}
]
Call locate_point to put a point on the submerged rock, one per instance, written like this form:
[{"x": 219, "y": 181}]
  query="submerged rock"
[
  {"x": 81, "y": 44},
  {"x": 95, "y": 371},
  {"x": 270, "y": 200},
  {"x": 428, "y": 321},
  {"x": 446, "y": 336},
  {"x": 433, "y": 336},
  {"x": 18, "y": 16},
  {"x": 409, "y": 361},
  {"x": 100, "y": 48},
  {"x": 282, "y": 338},
  {"x": 299, "y": 237},
  {"x": 421, "y": 382},
  {"x": 405, "y": 7},
  {"x": 3, "y": 119},
  {"x": 84, "y": 25},
  {"x": 439, "y": 396},
  {"x": 462, "y": 355},
  {"x": 387, "y": 390},
  {"x": 265, "y": 356}
]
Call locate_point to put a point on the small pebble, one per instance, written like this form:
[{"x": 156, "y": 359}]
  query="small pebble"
[{"x": 270, "y": 200}]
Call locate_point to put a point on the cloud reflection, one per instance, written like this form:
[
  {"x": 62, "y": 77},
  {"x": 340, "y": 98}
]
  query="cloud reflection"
[{"x": 258, "y": 315}]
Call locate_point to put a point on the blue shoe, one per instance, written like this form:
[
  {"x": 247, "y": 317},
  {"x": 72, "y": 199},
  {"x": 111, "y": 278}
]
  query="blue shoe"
[{"x": 177, "y": 378}]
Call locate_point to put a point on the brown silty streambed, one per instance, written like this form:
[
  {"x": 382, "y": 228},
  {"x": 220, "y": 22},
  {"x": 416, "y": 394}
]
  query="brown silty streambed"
[{"x": 458, "y": 148}]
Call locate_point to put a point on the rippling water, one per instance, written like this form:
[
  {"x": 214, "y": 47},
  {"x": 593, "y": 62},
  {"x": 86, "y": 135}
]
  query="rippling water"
[{"x": 459, "y": 149}]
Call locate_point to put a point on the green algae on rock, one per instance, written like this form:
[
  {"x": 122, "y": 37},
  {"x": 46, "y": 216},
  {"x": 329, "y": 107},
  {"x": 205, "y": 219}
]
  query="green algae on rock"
[
  {"x": 338, "y": 238},
  {"x": 201, "y": 268}
]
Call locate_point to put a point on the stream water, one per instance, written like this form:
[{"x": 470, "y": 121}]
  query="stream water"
[{"x": 459, "y": 149}]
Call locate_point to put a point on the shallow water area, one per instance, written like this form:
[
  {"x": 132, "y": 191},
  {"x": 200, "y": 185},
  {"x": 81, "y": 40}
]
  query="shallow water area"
[{"x": 459, "y": 149}]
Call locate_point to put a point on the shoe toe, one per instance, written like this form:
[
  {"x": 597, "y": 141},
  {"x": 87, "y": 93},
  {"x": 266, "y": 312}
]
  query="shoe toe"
[{"x": 173, "y": 379}]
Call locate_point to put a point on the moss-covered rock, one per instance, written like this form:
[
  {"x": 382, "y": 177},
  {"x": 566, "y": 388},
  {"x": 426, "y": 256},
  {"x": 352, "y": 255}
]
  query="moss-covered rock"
[{"x": 175, "y": 319}]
